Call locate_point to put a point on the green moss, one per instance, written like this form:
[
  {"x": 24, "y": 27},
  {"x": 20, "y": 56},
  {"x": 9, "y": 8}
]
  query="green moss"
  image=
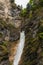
[
  {"x": 41, "y": 35},
  {"x": 3, "y": 23},
  {"x": 1, "y": 35}
]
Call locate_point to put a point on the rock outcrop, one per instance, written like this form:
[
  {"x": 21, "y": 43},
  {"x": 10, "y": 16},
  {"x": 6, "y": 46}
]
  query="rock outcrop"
[{"x": 10, "y": 22}]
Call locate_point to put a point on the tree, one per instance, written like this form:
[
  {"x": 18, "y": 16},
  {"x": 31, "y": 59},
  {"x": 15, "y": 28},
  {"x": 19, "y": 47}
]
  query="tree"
[{"x": 28, "y": 7}]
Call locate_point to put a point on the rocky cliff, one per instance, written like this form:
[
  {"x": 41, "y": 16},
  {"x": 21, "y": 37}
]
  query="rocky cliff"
[
  {"x": 11, "y": 24},
  {"x": 33, "y": 26}
]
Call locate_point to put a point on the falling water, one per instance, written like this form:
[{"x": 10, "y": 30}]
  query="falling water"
[{"x": 19, "y": 49}]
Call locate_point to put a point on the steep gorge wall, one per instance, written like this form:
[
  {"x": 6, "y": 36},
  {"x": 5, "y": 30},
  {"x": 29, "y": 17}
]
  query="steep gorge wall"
[{"x": 33, "y": 26}]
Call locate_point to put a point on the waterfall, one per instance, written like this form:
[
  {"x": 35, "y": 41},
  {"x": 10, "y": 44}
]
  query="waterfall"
[{"x": 19, "y": 49}]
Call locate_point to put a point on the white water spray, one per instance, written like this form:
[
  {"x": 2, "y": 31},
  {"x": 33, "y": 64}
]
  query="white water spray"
[{"x": 19, "y": 49}]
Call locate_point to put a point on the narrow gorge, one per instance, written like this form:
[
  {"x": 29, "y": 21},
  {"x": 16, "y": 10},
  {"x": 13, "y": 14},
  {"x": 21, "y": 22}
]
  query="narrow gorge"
[{"x": 21, "y": 33}]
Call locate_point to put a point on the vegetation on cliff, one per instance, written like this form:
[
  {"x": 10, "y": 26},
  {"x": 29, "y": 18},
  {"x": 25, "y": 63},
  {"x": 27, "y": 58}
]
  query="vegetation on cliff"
[
  {"x": 33, "y": 25},
  {"x": 31, "y": 18}
]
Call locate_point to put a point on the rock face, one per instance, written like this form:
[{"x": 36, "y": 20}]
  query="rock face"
[
  {"x": 33, "y": 51},
  {"x": 4, "y": 8},
  {"x": 10, "y": 23},
  {"x": 10, "y": 27}
]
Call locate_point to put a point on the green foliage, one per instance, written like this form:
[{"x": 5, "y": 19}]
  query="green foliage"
[
  {"x": 28, "y": 7},
  {"x": 1, "y": 35},
  {"x": 3, "y": 23},
  {"x": 4, "y": 48},
  {"x": 23, "y": 12},
  {"x": 41, "y": 35},
  {"x": 41, "y": 28},
  {"x": 34, "y": 43},
  {"x": 41, "y": 3},
  {"x": 5, "y": 43},
  {"x": 31, "y": 2},
  {"x": 41, "y": 32},
  {"x": 34, "y": 7}
]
